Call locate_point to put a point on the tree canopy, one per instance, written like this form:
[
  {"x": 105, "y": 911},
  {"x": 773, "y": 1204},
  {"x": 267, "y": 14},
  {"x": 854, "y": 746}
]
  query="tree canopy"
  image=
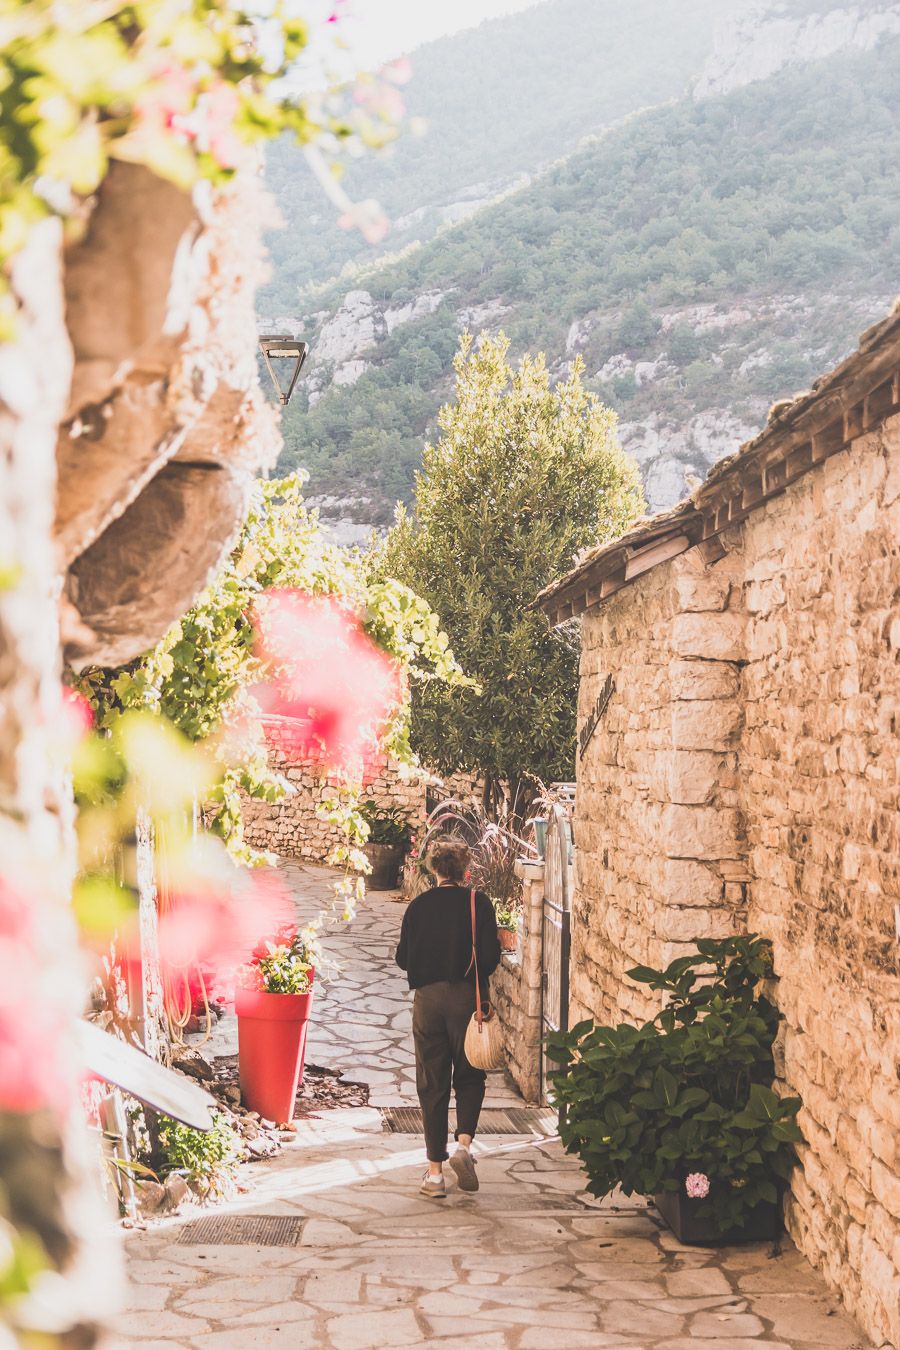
[{"x": 524, "y": 475}]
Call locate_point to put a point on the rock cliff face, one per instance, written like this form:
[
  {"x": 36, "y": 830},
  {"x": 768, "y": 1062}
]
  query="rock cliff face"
[
  {"x": 344, "y": 341},
  {"x": 768, "y": 39}
]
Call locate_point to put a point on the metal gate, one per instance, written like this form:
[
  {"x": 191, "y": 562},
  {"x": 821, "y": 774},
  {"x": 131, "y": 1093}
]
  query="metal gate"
[{"x": 556, "y": 936}]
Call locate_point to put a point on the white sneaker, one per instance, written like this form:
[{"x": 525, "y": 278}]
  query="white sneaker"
[
  {"x": 433, "y": 1187},
  {"x": 463, "y": 1165}
]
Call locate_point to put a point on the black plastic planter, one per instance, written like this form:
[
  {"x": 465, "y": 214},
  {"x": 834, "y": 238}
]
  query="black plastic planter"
[
  {"x": 386, "y": 860},
  {"x": 680, "y": 1211}
]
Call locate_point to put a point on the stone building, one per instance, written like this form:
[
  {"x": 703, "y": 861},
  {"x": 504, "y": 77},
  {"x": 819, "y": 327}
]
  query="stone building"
[{"x": 738, "y": 770}]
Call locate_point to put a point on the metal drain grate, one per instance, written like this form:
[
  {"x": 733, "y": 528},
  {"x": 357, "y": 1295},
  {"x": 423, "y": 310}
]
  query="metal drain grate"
[
  {"x": 240, "y": 1230},
  {"x": 513, "y": 1120}
]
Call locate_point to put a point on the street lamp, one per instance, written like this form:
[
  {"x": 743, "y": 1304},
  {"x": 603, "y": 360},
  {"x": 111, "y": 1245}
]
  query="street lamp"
[{"x": 283, "y": 347}]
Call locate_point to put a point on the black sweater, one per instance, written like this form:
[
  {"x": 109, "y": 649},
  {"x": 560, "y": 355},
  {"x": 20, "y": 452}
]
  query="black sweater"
[{"x": 436, "y": 937}]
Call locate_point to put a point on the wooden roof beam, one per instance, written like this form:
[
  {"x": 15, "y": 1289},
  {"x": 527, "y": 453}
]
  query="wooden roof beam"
[{"x": 642, "y": 559}]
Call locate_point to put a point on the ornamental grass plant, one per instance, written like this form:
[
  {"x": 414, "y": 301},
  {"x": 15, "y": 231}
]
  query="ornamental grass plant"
[
  {"x": 495, "y": 847},
  {"x": 685, "y": 1103}
]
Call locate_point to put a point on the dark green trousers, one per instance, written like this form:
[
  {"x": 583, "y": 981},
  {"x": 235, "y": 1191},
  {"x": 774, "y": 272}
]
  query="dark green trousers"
[{"x": 441, "y": 1014}]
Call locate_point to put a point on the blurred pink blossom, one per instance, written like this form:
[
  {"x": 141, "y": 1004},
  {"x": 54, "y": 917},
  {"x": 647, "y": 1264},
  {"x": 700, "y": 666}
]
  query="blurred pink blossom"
[
  {"x": 213, "y": 123},
  {"x": 328, "y": 673},
  {"x": 166, "y": 102},
  {"x": 77, "y": 715},
  {"x": 398, "y": 71},
  {"x": 219, "y": 926},
  {"x": 35, "y": 1060}
]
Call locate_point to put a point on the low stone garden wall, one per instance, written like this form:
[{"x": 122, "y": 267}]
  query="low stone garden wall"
[
  {"x": 516, "y": 988},
  {"x": 294, "y": 827}
]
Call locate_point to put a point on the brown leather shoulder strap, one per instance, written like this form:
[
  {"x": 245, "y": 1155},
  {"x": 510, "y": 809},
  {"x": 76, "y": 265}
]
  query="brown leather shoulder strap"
[{"x": 478, "y": 1011}]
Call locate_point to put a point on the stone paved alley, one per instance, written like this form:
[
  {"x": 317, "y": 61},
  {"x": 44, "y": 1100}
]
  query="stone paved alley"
[{"x": 529, "y": 1263}]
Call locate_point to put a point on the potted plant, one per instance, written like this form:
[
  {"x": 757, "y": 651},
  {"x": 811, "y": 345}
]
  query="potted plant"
[
  {"x": 508, "y": 916},
  {"x": 682, "y": 1108},
  {"x": 387, "y": 843},
  {"x": 273, "y": 1001}
]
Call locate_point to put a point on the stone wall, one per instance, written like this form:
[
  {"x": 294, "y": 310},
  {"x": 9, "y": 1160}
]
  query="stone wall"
[
  {"x": 49, "y": 1171},
  {"x": 660, "y": 851},
  {"x": 516, "y": 989},
  {"x": 295, "y": 828},
  {"x": 745, "y": 776},
  {"x": 820, "y": 786}
]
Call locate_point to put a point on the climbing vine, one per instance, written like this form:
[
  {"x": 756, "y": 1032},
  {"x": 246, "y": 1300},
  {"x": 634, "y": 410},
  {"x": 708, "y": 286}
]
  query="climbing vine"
[
  {"x": 200, "y": 675},
  {"x": 180, "y": 86}
]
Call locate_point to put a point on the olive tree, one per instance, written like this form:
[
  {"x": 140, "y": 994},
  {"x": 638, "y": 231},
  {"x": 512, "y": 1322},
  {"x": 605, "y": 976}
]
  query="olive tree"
[{"x": 524, "y": 475}]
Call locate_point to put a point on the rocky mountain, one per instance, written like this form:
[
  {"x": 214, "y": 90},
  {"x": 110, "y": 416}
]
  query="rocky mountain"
[
  {"x": 495, "y": 105},
  {"x": 759, "y": 43},
  {"x": 703, "y": 259}
]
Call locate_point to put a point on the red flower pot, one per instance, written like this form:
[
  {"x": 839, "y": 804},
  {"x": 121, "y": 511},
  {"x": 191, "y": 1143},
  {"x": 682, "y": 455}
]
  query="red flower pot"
[
  {"x": 509, "y": 941},
  {"x": 271, "y": 1050}
]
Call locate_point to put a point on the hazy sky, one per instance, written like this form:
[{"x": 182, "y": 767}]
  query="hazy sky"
[{"x": 377, "y": 30}]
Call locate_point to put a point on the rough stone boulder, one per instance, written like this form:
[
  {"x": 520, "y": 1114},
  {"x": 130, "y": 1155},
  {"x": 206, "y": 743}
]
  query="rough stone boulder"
[
  {"x": 166, "y": 421},
  {"x": 149, "y": 564}
]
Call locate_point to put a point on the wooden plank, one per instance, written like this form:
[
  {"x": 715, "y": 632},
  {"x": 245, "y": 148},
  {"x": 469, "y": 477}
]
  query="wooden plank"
[
  {"x": 130, "y": 1069},
  {"x": 643, "y": 559}
]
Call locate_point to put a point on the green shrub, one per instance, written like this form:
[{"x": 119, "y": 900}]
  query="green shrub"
[
  {"x": 387, "y": 824},
  {"x": 688, "y": 1092},
  {"x": 207, "y": 1158}
]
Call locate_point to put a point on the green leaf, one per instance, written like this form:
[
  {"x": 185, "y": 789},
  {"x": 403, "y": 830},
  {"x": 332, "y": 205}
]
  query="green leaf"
[
  {"x": 643, "y": 974},
  {"x": 665, "y": 1086},
  {"x": 764, "y": 1103}
]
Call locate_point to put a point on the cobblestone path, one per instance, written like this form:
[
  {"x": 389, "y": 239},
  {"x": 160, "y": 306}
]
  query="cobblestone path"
[{"x": 528, "y": 1263}]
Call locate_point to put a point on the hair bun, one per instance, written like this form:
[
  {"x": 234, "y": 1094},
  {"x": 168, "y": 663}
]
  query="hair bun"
[{"x": 449, "y": 858}]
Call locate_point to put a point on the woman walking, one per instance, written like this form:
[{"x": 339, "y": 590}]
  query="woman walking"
[{"x": 436, "y": 952}]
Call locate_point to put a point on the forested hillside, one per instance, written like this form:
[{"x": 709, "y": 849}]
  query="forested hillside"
[
  {"x": 704, "y": 258},
  {"x": 499, "y": 102}
]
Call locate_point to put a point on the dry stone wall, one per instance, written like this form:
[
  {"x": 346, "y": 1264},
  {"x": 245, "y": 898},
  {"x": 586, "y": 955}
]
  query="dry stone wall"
[
  {"x": 820, "y": 785},
  {"x": 746, "y": 776},
  {"x": 295, "y": 827},
  {"x": 659, "y": 835},
  {"x": 516, "y": 988}
]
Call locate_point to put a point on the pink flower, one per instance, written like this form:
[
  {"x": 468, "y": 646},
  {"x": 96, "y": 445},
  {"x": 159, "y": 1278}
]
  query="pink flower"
[
  {"x": 398, "y": 71},
  {"x": 36, "y": 1069},
  {"x": 697, "y": 1185},
  {"x": 213, "y": 120},
  {"x": 328, "y": 674}
]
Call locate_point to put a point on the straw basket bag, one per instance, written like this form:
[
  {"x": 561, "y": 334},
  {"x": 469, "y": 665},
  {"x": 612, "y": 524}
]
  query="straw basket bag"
[{"x": 484, "y": 1035}]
